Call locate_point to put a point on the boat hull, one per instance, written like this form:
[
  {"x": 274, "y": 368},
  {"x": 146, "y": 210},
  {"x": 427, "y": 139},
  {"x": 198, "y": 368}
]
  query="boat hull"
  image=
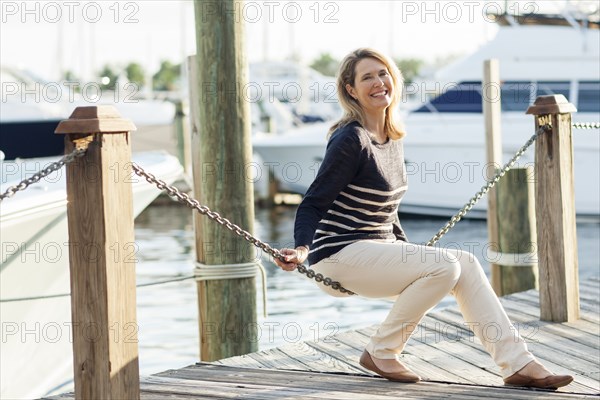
[
  {"x": 445, "y": 161},
  {"x": 36, "y": 357}
]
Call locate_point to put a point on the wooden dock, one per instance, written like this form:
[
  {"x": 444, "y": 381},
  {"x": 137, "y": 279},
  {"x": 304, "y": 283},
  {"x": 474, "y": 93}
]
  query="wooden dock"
[{"x": 448, "y": 357}]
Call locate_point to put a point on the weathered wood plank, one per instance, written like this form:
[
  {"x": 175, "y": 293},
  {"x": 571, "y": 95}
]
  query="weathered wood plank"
[
  {"x": 592, "y": 283},
  {"x": 243, "y": 361},
  {"x": 359, "y": 386},
  {"x": 348, "y": 347},
  {"x": 551, "y": 357},
  {"x": 583, "y": 340},
  {"x": 450, "y": 341},
  {"x": 417, "y": 357},
  {"x": 590, "y": 294},
  {"x": 528, "y": 304},
  {"x": 456, "y": 368},
  {"x": 316, "y": 360},
  {"x": 588, "y": 311}
]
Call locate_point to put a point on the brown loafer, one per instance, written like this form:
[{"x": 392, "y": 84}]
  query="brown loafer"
[
  {"x": 405, "y": 377},
  {"x": 549, "y": 382}
]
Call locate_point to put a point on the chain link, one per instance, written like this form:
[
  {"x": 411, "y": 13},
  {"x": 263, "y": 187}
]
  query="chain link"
[
  {"x": 586, "y": 125},
  {"x": 184, "y": 199},
  {"x": 55, "y": 166},
  {"x": 204, "y": 210},
  {"x": 490, "y": 184}
]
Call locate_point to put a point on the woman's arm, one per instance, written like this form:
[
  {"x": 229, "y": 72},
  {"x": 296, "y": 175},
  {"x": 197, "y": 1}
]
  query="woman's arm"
[{"x": 341, "y": 163}]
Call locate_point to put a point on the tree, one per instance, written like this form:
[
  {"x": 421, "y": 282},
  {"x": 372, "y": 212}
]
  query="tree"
[
  {"x": 167, "y": 76},
  {"x": 326, "y": 64},
  {"x": 69, "y": 76},
  {"x": 410, "y": 68},
  {"x": 108, "y": 78},
  {"x": 135, "y": 74}
]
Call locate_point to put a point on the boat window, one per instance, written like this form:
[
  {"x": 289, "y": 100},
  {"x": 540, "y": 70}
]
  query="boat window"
[
  {"x": 589, "y": 96},
  {"x": 548, "y": 88},
  {"x": 464, "y": 97},
  {"x": 516, "y": 96}
]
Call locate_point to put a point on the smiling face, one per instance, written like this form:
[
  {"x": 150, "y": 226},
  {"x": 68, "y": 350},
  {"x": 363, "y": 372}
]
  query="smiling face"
[{"x": 373, "y": 86}]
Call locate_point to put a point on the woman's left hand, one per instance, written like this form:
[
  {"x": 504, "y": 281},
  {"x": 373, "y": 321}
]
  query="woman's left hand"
[{"x": 292, "y": 257}]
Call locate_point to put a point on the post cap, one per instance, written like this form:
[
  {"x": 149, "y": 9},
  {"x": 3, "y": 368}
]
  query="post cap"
[
  {"x": 552, "y": 104},
  {"x": 95, "y": 119}
]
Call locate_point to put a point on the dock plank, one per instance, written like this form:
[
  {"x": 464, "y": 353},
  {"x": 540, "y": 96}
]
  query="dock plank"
[
  {"x": 356, "y": 386},
  {"x": 442, "y": 350},
  {"x": 552, "y": 357},
  {"x": 438, "y": 356},
  {"x": 437, "y": 365}
]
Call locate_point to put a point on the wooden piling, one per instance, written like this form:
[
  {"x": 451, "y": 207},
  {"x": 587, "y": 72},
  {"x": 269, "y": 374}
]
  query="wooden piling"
[
  {"x": 182, "y": 136},
  {"x": 517, "y": 267},
  {"x": 555, "y": 210},
  {"x": 493, "y": 140},
  {"x": 102, "y": 265},
  {"x": 222, "y": 151}
]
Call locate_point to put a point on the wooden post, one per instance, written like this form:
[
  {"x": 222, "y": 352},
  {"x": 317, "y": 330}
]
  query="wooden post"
[
  {"x": 182, "y": 136},
  {"x": 517, "y": 266},
  {"x": 555, "y": 210},
  {"x": 227, "y": 307},
  {"x": 100, "y": 219},
  {"x": 493, "y": 140}
]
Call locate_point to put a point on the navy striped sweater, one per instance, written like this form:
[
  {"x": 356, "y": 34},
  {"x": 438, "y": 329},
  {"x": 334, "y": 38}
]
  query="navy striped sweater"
[{"x": 355, "y": 195}]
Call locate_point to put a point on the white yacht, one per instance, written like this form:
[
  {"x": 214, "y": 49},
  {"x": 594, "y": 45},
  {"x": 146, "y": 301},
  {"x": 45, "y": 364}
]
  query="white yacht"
[
  {"x": 31, "y": 107},
  {"x": 36, "y": 355},
  {"x": 445, "y": 145},
  {"x": 309, "y": 94}
]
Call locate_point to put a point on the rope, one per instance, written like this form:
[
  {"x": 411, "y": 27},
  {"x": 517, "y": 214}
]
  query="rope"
[
  {"x": 512, "y": 259},
  {"x": 205, "y": 272},
  {"x": 53, "y": 296},
  {"x": 183, "y": 278}
]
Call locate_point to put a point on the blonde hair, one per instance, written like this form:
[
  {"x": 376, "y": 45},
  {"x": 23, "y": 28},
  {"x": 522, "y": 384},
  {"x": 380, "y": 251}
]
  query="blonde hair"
[{"x": 352, "y": 109}]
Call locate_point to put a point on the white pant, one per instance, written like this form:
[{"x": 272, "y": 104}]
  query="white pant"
[{"x": 420, "y": 277}]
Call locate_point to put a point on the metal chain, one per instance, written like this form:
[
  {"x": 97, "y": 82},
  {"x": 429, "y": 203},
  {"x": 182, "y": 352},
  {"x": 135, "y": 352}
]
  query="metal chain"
[
  {"x": 55, "y": 166},
  {"x": 586, "y": 125},
  {"x": 490, "y": 184},
  {"x": 184, "y": 199},
  {"x": 204, "y": 210}
]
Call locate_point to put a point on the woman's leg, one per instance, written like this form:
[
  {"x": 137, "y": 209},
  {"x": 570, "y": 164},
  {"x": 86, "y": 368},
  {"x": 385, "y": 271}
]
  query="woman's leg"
[
  {"x": 484, "y": 314},
  {"x": 419, "y": 276}
]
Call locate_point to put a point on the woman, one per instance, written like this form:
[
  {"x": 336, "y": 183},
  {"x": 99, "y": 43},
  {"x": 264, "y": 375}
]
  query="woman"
[{"x": 347, "y": 228}]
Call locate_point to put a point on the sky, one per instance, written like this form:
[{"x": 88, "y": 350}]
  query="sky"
[{"x": 47, "y": 37}]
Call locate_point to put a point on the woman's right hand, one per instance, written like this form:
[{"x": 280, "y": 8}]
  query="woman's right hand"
[{"x": 292, "y": 257}]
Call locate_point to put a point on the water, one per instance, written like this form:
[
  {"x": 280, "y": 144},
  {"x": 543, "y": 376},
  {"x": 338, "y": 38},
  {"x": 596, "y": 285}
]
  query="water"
[{"x": 297, "y": 309}]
